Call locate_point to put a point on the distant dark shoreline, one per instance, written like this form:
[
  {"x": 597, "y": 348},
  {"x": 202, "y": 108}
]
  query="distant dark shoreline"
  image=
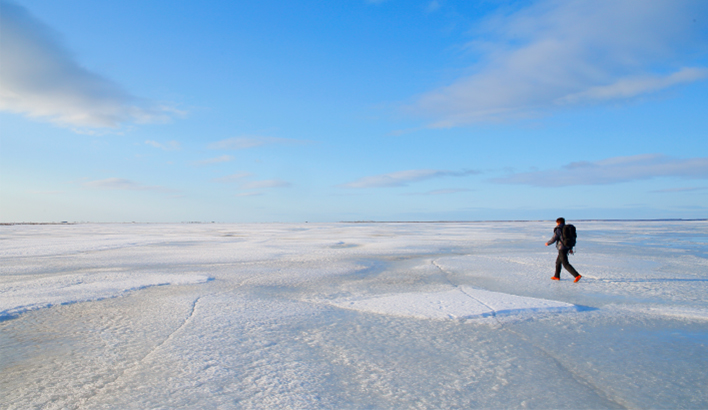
[
  {"x": 369, "y": 222},
  {"x": 39, "y": 223}
]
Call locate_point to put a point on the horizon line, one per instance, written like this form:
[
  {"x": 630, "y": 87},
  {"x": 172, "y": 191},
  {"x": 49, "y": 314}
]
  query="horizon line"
[{"x": 372, "y": 221}]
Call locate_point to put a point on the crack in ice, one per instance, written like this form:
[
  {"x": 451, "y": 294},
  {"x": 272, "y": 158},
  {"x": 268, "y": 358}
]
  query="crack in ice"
[
  {"x": 152, "y": 351},
  {"x": 575, "y": 376}
]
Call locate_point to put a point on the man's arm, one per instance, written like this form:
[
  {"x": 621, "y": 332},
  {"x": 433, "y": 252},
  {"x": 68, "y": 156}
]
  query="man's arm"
[{"x": 556, "y": 237}]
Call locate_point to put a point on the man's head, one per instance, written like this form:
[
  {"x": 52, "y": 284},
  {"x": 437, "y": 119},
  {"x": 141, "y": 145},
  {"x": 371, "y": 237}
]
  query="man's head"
[{"x": 560, "y": 221}]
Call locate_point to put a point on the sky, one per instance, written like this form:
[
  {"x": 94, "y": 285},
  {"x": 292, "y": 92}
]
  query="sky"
[{"x": 354, "y": 110}]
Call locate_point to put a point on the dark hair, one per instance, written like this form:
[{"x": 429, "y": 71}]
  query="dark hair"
[{"x": 561, "y": 220}]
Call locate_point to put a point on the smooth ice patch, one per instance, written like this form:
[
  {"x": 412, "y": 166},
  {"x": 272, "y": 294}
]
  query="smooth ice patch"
[
  {"x": 22, "y": 296},
  {"x": 460, "y": 303}
]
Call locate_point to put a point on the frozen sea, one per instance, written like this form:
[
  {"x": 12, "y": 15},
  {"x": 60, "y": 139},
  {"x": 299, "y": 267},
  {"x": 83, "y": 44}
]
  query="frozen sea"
[{"x": 352, "y": 316}]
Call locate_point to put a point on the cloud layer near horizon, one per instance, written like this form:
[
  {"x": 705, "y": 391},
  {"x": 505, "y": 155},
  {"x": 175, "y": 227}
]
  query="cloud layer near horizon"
[
  {"x": 245, "y": 142},
  {"x": 41, "y": 79},
  {"x": 562, "y": 53},
  {"x": 403, "y": 178},
  {"x": 240, "y": 179},
  {"x": 613, "y": 171},
  {"x": 122, "y": 184}
]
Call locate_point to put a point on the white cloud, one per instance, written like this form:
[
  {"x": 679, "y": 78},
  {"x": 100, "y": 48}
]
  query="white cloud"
[
  {"x": 677, "y": 190},
  {"x": 233, "y": 177},
  {"x": 433, "y": 6},
  {"x": 240, "y": 178},
  {"x": 245, "y": 142},
  {"x": 268, "y": 183},
  {"x": 123, "y": 185},
  {"x": 633, "y": 86},
  {"x": 612, "y": 171},
  {"x": 211, "y": 161},
  {"x": 402, "y": 178},
  {"x": 46, "y": 192},
  {"x": 41, "y": 79},
  {"x": 558, "y": 53},
  {"x": 168, "y": 146},
  {"x": 442, "y": 192}
]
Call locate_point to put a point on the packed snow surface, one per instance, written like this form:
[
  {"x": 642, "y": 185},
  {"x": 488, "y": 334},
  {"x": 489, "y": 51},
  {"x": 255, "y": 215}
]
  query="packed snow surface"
[
  {"x": 321, "y": 316},
  {"x": 459, "y": 303},
  {"x": 18, "y": 297}
]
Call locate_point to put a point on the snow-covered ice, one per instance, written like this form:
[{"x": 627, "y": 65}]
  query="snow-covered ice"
[
  {"x": 416, "y": 315},
  {"x": 459, "y": 303}
]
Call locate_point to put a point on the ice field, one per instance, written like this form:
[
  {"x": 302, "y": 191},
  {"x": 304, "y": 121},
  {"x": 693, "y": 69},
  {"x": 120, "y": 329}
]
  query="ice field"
[{"x": 352, "y": 316}]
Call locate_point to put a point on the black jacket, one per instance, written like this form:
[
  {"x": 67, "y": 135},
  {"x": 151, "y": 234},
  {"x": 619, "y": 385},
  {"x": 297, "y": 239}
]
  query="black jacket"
[{"x": 557, "y": 233}]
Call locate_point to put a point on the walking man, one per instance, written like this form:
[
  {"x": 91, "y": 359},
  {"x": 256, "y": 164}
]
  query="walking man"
[{"x": 563, "y": 251}]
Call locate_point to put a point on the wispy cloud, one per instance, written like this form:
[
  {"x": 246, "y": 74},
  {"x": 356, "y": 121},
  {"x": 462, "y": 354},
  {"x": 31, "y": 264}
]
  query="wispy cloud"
[
  {"x": 403, "y": 178},
  {"x": 123, "y": 185},
  {"x": 245, "y": 142},
  {"x": 42, "y": 79},
  {"x": 561, "y": 53},
  {"x": 634, "y": 86},
  {"x": 253, "y": 186},
  {"x": 268, "y": 183},
  {"x": 433, "y": 6},
  {"x": 677, "y": 190},
  {"x": 168, "y": 146},
  {"x": 441, "y": 192},
  {"x": 211, "y": 161},
  {"x": 612, "y": 171},
  {"x": 232, "y": 178},
  {"x": 46, "y": 192}
]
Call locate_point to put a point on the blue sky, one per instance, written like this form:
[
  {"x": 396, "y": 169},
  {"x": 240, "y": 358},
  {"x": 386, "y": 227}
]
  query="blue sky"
[{"x": 260, "y": 111}]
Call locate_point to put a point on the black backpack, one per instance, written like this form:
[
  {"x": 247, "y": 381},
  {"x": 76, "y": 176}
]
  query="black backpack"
[{"x": 568, "y": 236}]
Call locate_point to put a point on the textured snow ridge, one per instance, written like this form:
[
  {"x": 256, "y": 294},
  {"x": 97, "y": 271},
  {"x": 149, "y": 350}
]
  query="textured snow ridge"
[
  {"x": 20, "y": 297},
  {"x": 460, "y": 303}
]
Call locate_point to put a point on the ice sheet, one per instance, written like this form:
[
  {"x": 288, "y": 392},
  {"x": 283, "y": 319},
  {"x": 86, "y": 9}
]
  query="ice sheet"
[
  {"x": 460, "y": 303},
  {"x": 21, "y": 296},
  {"x": 320, "y": 316}
]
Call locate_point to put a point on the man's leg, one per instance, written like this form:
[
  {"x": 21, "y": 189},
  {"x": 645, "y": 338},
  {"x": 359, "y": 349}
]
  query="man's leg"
[
  {"x": 563, "y": 256},
  {"x": 559, "y": 263}
]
